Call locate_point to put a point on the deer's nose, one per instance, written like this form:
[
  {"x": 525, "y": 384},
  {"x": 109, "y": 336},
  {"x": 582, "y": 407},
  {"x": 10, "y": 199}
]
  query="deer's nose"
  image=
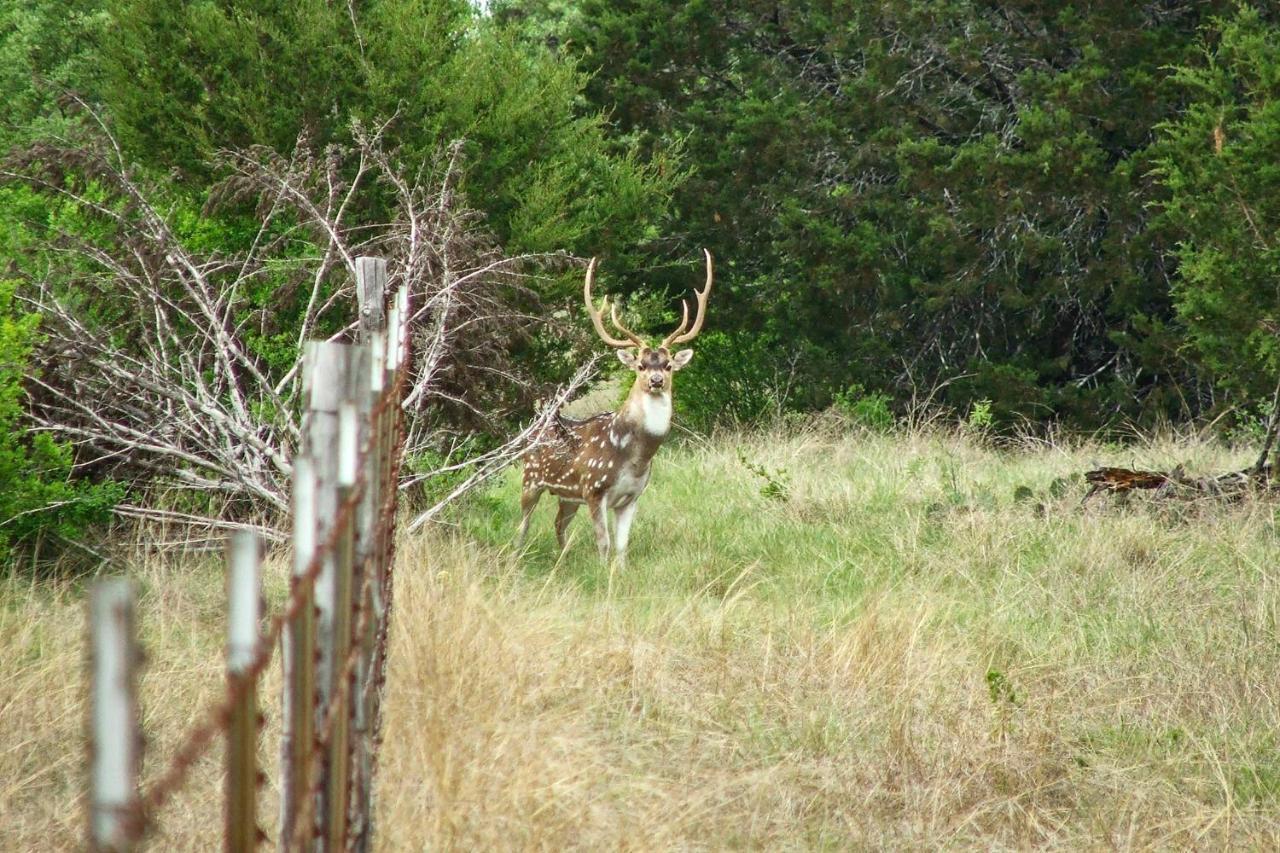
[{"x": 656, "y": 380}]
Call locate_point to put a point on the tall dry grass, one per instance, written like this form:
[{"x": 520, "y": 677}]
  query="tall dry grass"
[
  {"x": 897, "y": 654},
  {"x": 44, "y": 690},
  {"x": 891, "y": 652}
]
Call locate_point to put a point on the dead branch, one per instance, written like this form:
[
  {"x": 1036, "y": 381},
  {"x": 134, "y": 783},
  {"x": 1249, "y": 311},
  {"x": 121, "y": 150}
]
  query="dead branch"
[
  {"x": 155, "y": 361},
  {"x": 1177, "y": 484}
]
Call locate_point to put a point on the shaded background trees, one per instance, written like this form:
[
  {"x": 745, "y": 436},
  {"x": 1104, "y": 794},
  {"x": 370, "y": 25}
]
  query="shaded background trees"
[
  {"x": 1067, "y": 211},
  {"x": 906, "y": 193}
]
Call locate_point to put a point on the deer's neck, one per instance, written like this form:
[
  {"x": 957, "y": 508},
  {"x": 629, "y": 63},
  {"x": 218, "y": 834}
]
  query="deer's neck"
[{"x": 643, "y": 422}]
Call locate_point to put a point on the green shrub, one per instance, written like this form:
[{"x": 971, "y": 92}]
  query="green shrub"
[
  {"x": 728, "y": 381},
  {"x": 980, "y": 420},
  {"x": 37, "y": 496},
  {"x": 870, "y": 410}
]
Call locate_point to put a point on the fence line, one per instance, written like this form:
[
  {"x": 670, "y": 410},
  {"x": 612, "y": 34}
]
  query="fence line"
[{"x": 332, "y": 627}]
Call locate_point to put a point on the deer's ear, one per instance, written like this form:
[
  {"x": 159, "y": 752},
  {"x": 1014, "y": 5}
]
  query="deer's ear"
[
  {"x": 681, "y": 358},
  {"x": 627, "y": 357}
]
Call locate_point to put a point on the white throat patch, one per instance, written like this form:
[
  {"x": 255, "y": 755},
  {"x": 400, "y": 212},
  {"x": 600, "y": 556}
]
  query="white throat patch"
[{"x": 657, "y": 413}]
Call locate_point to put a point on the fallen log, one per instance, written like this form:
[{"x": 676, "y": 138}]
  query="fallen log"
[{"x": 1177, "y": 483}]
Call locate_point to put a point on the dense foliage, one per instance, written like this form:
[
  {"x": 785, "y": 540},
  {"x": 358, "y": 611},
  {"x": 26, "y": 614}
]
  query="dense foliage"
[
  {"x": 1220, "y": 162},
  {"x": 1031, "y": 210},
  {"x": 38, "y": 496},
  {"x": 183, "y": 80},
  {"x": 910, "y": 192}
]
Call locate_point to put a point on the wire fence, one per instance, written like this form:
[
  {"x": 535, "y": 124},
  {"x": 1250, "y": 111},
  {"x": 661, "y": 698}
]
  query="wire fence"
[{"x": 332, "y": 628}]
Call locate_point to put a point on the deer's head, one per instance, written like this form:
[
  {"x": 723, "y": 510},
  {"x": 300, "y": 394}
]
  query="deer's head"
[{"x": 653, "y": 366}]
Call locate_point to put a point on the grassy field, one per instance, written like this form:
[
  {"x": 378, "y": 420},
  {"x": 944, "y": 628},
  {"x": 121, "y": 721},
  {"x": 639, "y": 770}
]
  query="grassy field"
[{"x": 874, "y": 641}]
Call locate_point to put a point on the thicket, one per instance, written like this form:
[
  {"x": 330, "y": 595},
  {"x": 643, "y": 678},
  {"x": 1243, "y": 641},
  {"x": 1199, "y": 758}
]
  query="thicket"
[
  {"x": 39, "y": 497},
  {"x": 1055, "y": 212},
  {"x": 1020, "y": 201}
]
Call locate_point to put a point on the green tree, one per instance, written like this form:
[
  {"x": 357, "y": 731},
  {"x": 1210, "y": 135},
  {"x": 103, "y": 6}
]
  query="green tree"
[
  {"x": 183, "y": 80},
  {"x": 911, "y": 191},
  {"x": 1219, "y": 162},
  {"x": 48, "y": 51}
]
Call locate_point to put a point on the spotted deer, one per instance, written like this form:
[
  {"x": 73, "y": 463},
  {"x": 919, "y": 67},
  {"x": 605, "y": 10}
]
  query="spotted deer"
[{"x": 604, "y": 461}]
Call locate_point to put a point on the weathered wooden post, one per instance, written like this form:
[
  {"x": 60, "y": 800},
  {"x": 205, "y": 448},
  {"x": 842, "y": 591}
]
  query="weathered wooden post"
[
  {"x": 371, "y": 295},
  {"x": 115, "y": 737},
  {"x": 244, "y": 596},
  {"x": 338, "y": 765},
  {"x": 299, "y": 661},
  {"x": 368, "y": 585}
]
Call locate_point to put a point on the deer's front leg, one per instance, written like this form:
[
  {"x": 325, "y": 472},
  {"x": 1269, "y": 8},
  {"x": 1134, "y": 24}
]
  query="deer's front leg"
[
  {"x": 595, "y": 506},
  {"x": 563, "y": 516},
  {"x": 622, "y": 517},
  {"x": 528, "y": 500}
]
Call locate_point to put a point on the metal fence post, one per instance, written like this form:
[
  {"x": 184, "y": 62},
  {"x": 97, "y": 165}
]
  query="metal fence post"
[
  {"x": 115, "y": 739},
  {"x": 299, "y": 661},
  {"x": 338, "y": 765},
  {"x": 244, "y": 597}
]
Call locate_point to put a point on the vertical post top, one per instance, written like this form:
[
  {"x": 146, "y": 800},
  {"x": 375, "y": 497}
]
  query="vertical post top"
[
  {"x": 378, "y": 351},
  {"x": 243, "y": 598},
  {"x": 371, "y": 294},
  {"x": 402, "y": 303},
  {"x": 304, "y": 513},
  {"x": 326, "y": 365},
  {"x": 393, "y": 337},
  {"x": 348, "y": 443}
]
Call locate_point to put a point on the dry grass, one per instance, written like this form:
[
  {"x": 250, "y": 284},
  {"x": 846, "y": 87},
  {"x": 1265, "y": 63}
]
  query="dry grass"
[
  {"x": 898, "y": 654},
  {"x": 43, "y": 693}
]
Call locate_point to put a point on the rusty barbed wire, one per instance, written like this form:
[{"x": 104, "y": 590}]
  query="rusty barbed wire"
[
  {"x": 387, "y": 528},
  {"x": 329, "y": 713},
  {"x": 218, "y": 718}
]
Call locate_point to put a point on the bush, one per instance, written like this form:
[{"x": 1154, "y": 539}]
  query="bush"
[
  {"x": 37, "y": 496},
  {"x": 869, "y": 410},
  {"x": 728, "y": 381}
]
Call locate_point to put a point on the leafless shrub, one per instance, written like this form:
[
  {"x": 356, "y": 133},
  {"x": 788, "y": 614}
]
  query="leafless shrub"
[{"x": 171, "y": 364}]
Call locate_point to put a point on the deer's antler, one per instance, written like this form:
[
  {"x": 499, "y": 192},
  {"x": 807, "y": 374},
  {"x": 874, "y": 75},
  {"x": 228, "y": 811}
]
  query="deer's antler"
[
  {"x": 597, "y": 319},
  {"x": 680, "y": 335}
]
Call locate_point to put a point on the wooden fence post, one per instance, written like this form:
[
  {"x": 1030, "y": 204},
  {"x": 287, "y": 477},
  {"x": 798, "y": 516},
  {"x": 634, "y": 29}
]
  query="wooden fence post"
[
  {"x": 368, "y": 580},
  {"x": 299, "y": 661},
  {"x": 244, "y": 596},
  {"x": 338, "y": 765},
  {"x": 371, "y": 295},
  {"x": 116, "y": 739}
]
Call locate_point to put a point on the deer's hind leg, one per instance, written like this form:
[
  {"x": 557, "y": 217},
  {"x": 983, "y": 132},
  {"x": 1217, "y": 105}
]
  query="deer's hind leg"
[{"x": 563, "y": 517}]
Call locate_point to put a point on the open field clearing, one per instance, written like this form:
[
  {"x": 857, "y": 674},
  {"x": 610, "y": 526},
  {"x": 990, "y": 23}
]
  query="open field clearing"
[{"x": 875, "y": 645}]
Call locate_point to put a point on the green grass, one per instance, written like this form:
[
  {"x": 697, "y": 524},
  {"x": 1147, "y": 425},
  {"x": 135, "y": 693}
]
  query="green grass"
[
  {"x": 1118, "y": 647},
  {"x": 852, "y": 639}
]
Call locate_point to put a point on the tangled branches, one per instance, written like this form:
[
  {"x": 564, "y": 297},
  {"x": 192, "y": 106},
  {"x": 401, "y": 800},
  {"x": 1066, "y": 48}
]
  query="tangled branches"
[{"x": 172, "y": 353}]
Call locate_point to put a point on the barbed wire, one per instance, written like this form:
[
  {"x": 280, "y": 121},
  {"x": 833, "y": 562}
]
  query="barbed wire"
[
  {"x": 304, "y": 821},
  {"x": 328, "y": 717},
  {"x": 217, "y": 719}
]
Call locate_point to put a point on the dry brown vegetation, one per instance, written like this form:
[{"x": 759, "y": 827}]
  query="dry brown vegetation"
[{"x": 891, "y": 652}]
